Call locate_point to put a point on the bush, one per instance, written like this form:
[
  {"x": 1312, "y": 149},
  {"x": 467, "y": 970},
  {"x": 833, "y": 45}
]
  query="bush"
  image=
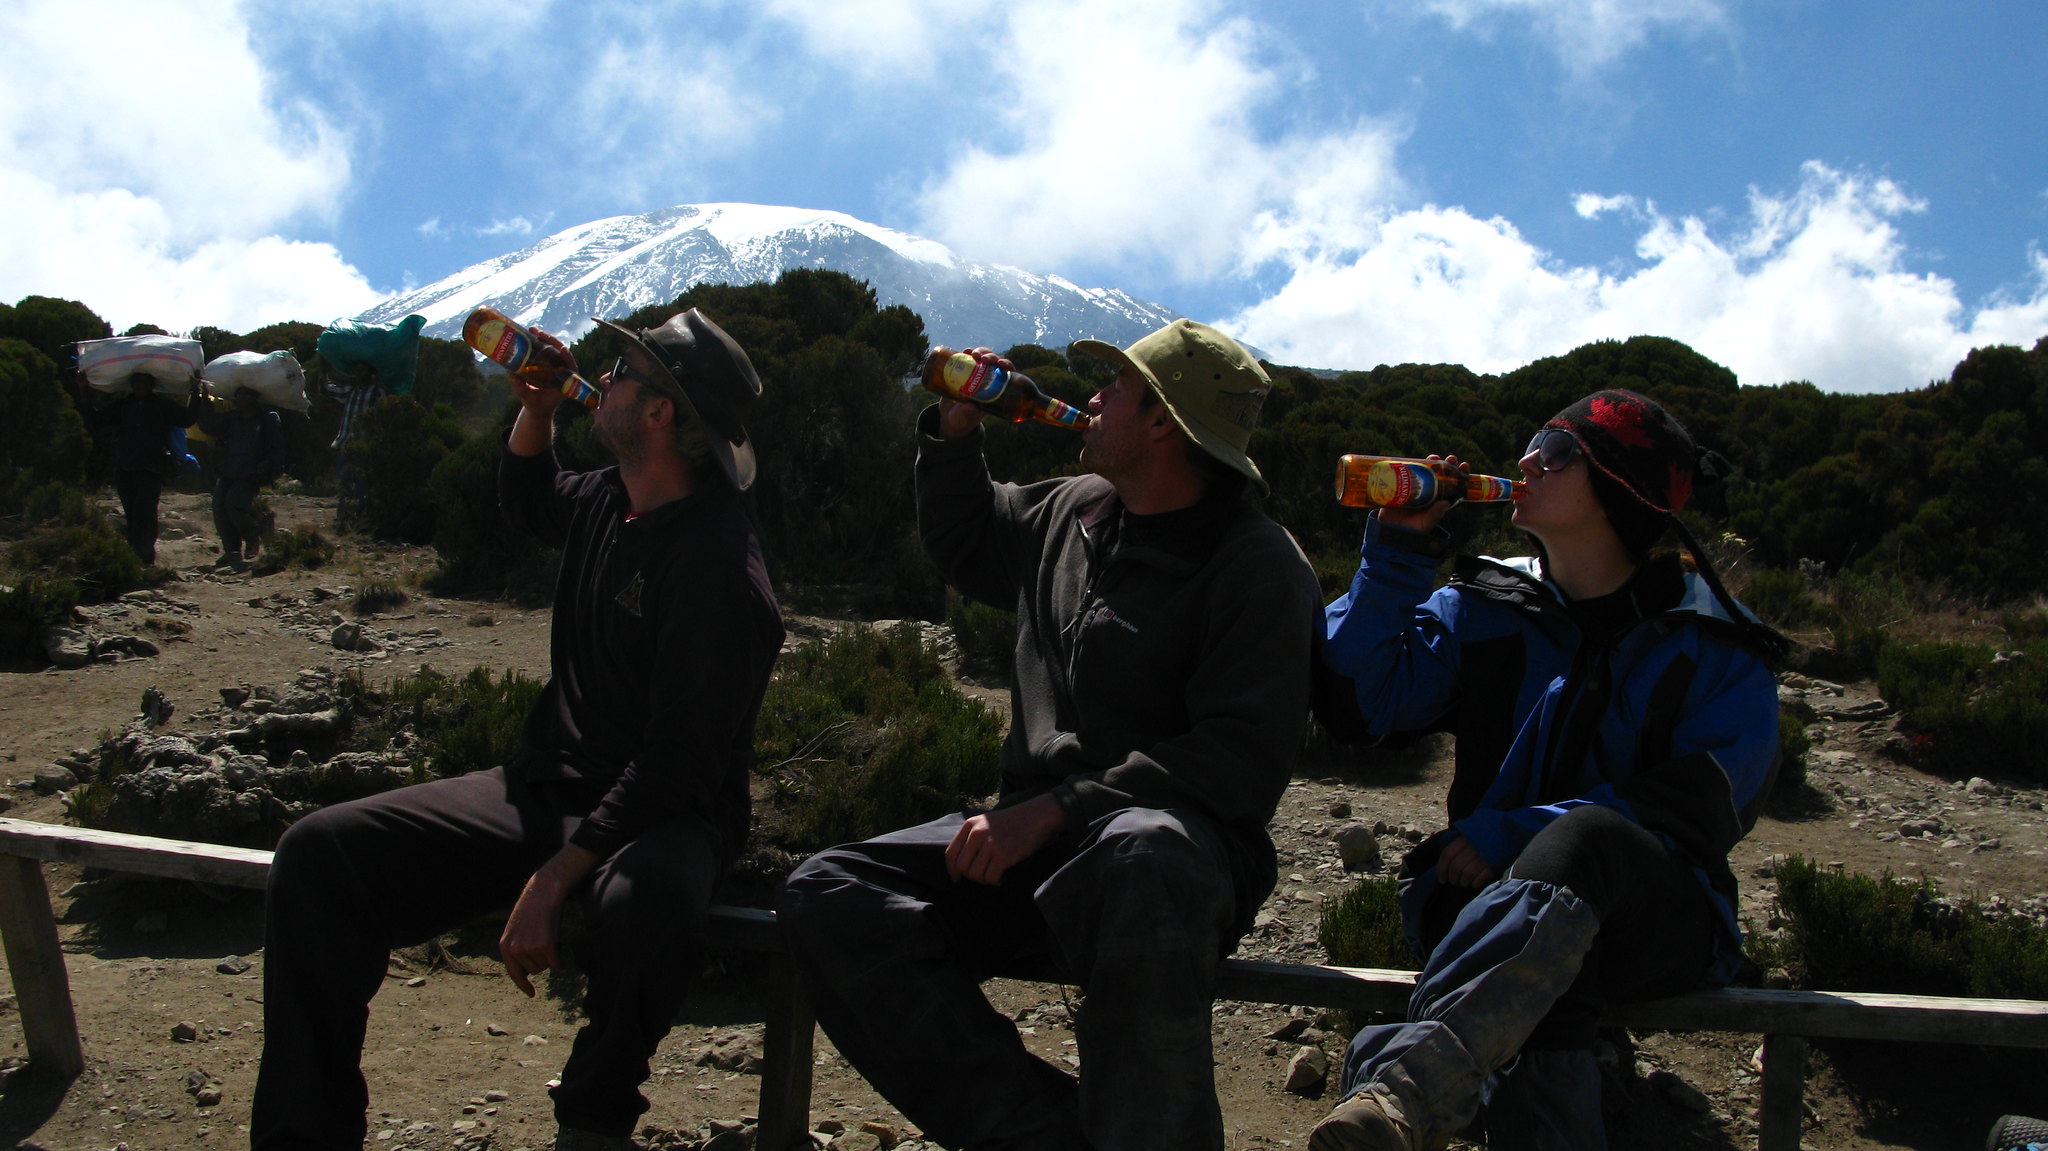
[
  {"x": 1793, "y": 745},
  {"x": 28, "y": 608},
  {"x": 863, "y": 733},
  {"x": 1849, "y": 932},
  {"x": 987, "y": 636},
  {"x": 78, "y": 544},
  {"x": 479, "y": 551},
  {"x": 306, "y": 549},
  {"x": 375, "y": 595},
  {"x": 457, "y": 725},
  {"x": 395, "y": 448},
  {"x": 1363, "y": 929},
  {"x": 1968, "y": 710}
]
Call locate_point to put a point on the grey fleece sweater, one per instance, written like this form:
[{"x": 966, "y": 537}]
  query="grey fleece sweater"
[{"x": 1162, "y": 661}]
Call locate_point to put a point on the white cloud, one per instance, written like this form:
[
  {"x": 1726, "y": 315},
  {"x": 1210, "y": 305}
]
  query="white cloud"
[
  {"x": 1134, "y": 141},
  {"x": 1586, "y": 35},
  {"x": 1813, "y": 285},
  {"x": 900, "y": 42},
  {"x": 139, "y": 168}
]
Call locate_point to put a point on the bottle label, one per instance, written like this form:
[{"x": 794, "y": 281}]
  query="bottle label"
[
  {"x": 1400, "y": 484},
  {"x": 1485, "y": 489},
  {"x": 970, "y": 379},
  {"x": 503, "y": 343}
]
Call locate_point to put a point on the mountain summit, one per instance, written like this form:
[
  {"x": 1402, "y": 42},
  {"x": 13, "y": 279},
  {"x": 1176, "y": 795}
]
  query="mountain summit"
[{"x": 611, "y": 267}]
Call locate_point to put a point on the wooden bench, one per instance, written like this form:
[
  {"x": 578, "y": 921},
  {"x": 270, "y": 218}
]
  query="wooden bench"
[{"x": 1786, "y": 1019}]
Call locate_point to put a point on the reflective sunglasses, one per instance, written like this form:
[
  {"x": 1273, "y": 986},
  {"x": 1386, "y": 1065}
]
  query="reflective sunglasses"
[
  {"x": 1554, "y": 449},
  {"x": 622, "y": 370}
]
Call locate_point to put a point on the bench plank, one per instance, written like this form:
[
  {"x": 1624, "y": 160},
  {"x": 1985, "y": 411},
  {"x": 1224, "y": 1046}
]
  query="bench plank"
[{"x": 144, "y": 854}]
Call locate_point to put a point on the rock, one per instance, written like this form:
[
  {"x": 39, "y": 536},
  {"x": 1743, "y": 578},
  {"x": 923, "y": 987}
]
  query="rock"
[
  {"x": 346, "y": 637},
  {"x": 184, "y": 1031},
  {"x": 233, "y": 965},
  {"x": 1770, "y": 865},
  {"x": 1288, "y": 1029},
  {"x": 883, "y": 1132},
  {"x": 738, "y": 1140},
  {"x": 1340, "y": 810},
  {"x": 1308, "y": 1071},
  {"x": 534, "y": 1041},
  {"x": 831, "y": 1127},
  {"x": 65, "y": 646},
  {"x": 1980, "y": 786},
  {"x": 496, "y": 1096},
  {"x": 495, "y": 1029},
  {"x": 52, "y": 779},
  {"x": 155, "y": 708},
  {"x": 1680, "y": 1092},
  {"x": 1358, "y": 847},
  {"x": 207, "y": 1096},
  {"x": 6, "y": 801},
  {"x": 234, "y": 696}
]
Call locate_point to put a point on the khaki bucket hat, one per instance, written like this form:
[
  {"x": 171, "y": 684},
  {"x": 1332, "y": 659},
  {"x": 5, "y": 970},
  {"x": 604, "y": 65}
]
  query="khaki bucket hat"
[{"x": 1212, "y": 387}]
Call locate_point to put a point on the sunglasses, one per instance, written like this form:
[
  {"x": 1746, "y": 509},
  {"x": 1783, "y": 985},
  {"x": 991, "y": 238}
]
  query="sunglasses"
[
  {"x": 623, "y": 370},
  {"x": 1554, "y": 449}
]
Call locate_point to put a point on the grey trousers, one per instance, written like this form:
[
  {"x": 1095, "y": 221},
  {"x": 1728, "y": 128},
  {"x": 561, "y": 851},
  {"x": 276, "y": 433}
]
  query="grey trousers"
[{"x": 1137, "y": 908}]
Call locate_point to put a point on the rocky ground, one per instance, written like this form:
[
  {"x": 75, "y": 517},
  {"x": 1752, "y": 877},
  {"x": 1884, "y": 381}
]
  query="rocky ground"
[{"x": 168, "y": 978}]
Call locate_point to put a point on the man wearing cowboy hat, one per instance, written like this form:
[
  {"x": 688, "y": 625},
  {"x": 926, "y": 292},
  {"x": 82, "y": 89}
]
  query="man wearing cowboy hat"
[
  {"x": 1158, "y": 699},
  {"x": 630, "y": 792}
]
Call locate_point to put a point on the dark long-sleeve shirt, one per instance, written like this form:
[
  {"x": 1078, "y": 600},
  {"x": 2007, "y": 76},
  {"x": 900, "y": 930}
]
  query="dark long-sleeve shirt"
[
  {"x": 665, "y": 630},
  {"x": 1162, "y": 661},
  {"x": 251, "y": 443},
  {"x": 142, "y": 429}
]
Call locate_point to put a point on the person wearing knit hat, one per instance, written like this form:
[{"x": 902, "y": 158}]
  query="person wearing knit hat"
[
  {"x": 1630, "y": 711},
  {"x": 1159, "y": 697}
]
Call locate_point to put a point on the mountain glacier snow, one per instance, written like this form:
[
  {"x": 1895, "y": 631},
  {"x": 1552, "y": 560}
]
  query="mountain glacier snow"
[{"x": 613, "y": 266}]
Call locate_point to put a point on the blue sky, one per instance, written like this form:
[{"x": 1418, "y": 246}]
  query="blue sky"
[{"x": 1852, "y": 194}]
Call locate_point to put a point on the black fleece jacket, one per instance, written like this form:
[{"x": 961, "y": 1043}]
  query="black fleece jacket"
[{"x": 665, "y": 629}]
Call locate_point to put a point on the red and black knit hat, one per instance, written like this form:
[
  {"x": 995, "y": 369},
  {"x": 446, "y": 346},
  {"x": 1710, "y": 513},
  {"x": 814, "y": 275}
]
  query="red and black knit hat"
[{"x": 1642, "y": 461}]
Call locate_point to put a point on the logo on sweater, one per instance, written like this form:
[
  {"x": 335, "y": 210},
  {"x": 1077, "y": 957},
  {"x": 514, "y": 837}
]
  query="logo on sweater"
[
  {"x": 629, "y": 596},
  {"x": 1107, "y": 614}
]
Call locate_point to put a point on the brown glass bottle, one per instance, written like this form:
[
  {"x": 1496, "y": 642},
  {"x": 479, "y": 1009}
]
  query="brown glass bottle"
[
  {"x": 501, "y": 339},
  {"x": 1003, "y": 392},
  {"x": 1394, "y": 482}
]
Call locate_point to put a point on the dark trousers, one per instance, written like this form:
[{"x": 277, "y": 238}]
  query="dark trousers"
[
  {"x": 352, "y": 881},
  {"x": 1137, "y": 908},
  {"x": 139, "y": 490},
  {"x": 234, "y": 512}
]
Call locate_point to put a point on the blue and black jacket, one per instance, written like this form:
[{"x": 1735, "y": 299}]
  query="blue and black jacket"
[{"x": 1668, "y": 716}]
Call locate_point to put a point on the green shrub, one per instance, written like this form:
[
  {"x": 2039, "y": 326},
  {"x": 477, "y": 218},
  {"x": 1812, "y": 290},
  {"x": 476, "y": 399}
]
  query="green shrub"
[
  {"x": 291, "y": 548},
  {"x": 87, "y": 553},
  {"x": 376, "y": 595},
  {"x": 1363, "y": 929},
  {"x": 479, "y": 551},
  {"x": 1783, "y": 599},
  {"x": 1966, "y": 710},
  {"x": 30, "y": 606},
  {"x": 458, "y": 725},
  {"x": 987, "y": 636},
  {"x": 1849, "y": 932},
  {"x": 396, "y": 446},
  {"x": 1793, "y": 745},
  {"x": 863, "y": 733}
]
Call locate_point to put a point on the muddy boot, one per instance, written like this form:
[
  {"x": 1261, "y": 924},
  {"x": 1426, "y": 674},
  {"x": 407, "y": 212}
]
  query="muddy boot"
[{"x": 1368, "y": 1121}]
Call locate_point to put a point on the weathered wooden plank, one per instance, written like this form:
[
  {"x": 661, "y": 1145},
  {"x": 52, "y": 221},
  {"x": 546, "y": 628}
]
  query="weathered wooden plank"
[
  {"x": 786, "y": 1070},
  {"x": 1848, "y": 1015},
  {"x": 1781, "y": 1113},
  {"x": 42, "y": 988},
  {"x": 143, "y": 854}
]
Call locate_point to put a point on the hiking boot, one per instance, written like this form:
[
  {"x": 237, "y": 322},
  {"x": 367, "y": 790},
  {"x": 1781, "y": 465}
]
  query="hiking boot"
[
  {"x": 2017, "y": 1133},
  {"x": 576, "y": 1139},
  {"x": 1367, "y": 1121}
]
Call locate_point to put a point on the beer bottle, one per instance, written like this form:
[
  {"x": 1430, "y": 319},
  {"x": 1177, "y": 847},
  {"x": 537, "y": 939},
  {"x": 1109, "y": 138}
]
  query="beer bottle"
[
  {"x": 1002, "y": 392},
  {"x": 503, "y": 340},
  {"x": 1391, "y": 482}
]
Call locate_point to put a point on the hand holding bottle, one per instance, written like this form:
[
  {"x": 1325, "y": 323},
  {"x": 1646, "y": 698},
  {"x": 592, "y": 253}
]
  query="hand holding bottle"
[
  {"x": 1425, "y": 518},
  {"x": 544, "y": 397},
  {"x": 958, "y": 417}
]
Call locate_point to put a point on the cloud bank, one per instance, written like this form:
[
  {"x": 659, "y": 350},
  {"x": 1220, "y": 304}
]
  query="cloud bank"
[{"x": 153, "y": 184}]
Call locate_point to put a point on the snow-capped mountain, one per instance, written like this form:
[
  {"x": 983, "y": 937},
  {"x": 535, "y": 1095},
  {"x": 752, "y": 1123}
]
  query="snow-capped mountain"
[{"x": 611, "y": 267}]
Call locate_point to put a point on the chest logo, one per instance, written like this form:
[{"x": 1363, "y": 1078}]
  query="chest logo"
[
  {"x": 629, "y": 596},
  {"x": 1106, "y": 614}
]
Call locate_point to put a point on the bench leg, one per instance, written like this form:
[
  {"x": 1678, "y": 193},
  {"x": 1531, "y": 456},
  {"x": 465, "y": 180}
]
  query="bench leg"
[
  {"x": 786, "y": 1060},
  {"x": 42, "y": 989},
  {"x": 1782, "y": 1113}
]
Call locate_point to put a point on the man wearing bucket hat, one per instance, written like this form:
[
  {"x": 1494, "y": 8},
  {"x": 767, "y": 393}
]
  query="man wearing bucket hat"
[
  {"x": 629, "y": 794},
  {"x": 1632, "y": 715},
  {"x": 1158, "y": 701}
]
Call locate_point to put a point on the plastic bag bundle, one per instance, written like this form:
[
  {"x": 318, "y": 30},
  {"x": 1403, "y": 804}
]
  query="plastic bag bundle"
[
  {"x": 107, "y": 364},
  {"x": 277, "y": 378},
  {"x": 392, "y": 349}
]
